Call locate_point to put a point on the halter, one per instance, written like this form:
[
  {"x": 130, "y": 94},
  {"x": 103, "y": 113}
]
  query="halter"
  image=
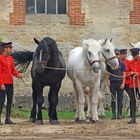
[
  {"x": 91, "y": 63},
  {"x": 109, "y": 59}
]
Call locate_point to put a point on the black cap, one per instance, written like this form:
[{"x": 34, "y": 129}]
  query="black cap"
[
  {"x": 5, "y": 44},
  {"x": 135, "y": 51},
  {"x": 123, "y": 51},
  {"x": 117, "y": 51}
]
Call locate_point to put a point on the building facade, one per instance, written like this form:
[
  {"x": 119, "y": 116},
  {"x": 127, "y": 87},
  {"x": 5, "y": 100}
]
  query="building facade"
[{"x": 68, "y": 21}]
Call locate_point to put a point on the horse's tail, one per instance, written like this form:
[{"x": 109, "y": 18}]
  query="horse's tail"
[{"x": 22, "y": 59}]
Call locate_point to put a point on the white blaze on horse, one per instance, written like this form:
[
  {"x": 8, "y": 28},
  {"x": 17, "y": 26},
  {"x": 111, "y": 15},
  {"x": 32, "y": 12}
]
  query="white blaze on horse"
[{"x": 84, "y": 71}]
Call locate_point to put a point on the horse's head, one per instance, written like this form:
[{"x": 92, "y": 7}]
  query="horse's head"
[
  {"x": 91, "y": 50},
  {"x": 137, "y": 45},
  {"x": 43, "y": 52},
  {"x": 108, "y": 54}
]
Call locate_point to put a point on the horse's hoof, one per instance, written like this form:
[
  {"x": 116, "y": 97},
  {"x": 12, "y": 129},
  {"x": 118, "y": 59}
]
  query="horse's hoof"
[
  {"x": 87, "y": 118},
  {"x": 33, "y": 120},
  {"x": 40, "y": 122},
  {"x": 55, "y": 122},
  {"x": 82, "y": 121},
  {"x": 77, "y": 119},
  {"x": 94, "y": 121},
  {"x": 102, "y": 117}
]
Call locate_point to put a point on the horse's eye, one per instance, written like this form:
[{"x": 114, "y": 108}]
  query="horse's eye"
[
  {"x": 107, "y": 50},
  {"x": 89, "y": 53}
]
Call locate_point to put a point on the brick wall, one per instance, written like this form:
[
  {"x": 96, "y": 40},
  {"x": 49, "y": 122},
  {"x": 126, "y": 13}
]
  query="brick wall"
[
  {"x": 75, "y": 14},
  {"x": 18, "y": 15},
  {"x": 74, "y": 11},
  {"x": 135, "y": 14}
]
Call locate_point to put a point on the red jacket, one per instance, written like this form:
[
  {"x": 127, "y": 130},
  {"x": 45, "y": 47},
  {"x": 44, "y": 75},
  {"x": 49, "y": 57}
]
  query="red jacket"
[
  {"x": 7, "y": 70},
  {"x": 127, "y": 80},
  {"x": 134, "y": 66}
]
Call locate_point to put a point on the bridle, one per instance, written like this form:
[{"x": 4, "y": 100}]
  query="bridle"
[
  {"x": 92, "y": 62},
  {"x": 109, "y": 59}
]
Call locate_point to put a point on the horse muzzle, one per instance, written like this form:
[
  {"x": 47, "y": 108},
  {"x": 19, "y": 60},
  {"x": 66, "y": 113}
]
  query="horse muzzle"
[{"x": 96, "y": 68}]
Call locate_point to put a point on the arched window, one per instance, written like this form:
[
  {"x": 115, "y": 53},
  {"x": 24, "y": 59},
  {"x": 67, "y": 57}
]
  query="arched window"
[{"x": 46, "y": 6}]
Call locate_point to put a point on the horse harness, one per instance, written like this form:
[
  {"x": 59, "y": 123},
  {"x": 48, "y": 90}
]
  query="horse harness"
[
  {"x": 92, "y": 62},
  {"x": 109, "y": 59}
]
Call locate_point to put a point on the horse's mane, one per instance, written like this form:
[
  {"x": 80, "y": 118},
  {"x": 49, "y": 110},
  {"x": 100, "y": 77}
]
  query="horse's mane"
[{"x": 53, "y": 48}]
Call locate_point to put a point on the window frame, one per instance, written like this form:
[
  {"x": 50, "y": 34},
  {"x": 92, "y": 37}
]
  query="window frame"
[{"x": 35, "y": 8}]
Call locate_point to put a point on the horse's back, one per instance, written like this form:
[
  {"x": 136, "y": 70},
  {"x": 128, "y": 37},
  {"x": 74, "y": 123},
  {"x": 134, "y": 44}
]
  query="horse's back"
[
  {"x": 74, "y": 56},
  {"x": 74, "y": 60}
]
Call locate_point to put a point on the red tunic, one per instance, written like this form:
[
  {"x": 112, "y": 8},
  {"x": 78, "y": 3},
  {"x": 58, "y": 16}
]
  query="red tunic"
[
  {"x": 134, "y": 66},
  {"x": 7, "y": 70},
  {"x": 127, "y": 80}
]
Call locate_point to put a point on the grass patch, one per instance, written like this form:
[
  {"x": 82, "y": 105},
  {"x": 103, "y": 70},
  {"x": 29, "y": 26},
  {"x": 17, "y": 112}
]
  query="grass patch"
[{"x": 25, "y": 114}]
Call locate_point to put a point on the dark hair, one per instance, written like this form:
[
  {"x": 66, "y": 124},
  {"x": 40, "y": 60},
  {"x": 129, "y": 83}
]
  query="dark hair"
[{"x": 1, "y": 50}]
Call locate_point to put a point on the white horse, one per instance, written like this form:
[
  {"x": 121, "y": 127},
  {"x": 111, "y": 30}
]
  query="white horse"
[
  {"x": 107, "y": 57},
  {"x": 84, "y": 71}
]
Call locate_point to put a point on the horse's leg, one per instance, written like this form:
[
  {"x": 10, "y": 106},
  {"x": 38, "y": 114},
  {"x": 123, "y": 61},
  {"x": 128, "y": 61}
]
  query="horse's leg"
[
  {"x": 40, "y": 101},
  {"x": 34, "y": 97},
  {"x": 87, "y": 92},
  {"x": 81, "y": 101},
  {"x": 77, "y": 108},
  {"x": 94, "y": 103},
  {"x": 53, "y": 101},
  {"x": 101, "y": 110},
  {"x": 101, "y": 97}
]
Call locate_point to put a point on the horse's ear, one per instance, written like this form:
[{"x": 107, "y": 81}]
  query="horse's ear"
[
  {"x": 111, "y": 40},
  {"x": 102, "y": 43},
  {"x": 36, "y": 41},
  {"x": 85, "y": 45},
  {"x": 132, "y": 44}
]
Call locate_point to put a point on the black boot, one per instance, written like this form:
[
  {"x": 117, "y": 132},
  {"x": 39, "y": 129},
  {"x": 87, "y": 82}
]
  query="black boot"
[
  {"x": 113, "y": 116},
  {"x": 113, "y": 110},
  {"x": 0, "y": 121},
  {"x": 1, "y": 106},
  {"x": 8, "y": 114},
  {"x": 133, "y": 116},
  {"x": 132, "y": 121}
]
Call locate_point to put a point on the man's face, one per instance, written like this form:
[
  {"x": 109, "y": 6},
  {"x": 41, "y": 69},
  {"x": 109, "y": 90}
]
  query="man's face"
[
  {"x": 136, "y": 56},
  {"x": 123, "y": 56},
  {"x": 8, "y": 49}
]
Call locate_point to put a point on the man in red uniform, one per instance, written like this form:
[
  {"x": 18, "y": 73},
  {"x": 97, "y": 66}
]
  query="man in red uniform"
[
  {"x": 7, "y": 70},
  {"x": 134, "y": 71}
]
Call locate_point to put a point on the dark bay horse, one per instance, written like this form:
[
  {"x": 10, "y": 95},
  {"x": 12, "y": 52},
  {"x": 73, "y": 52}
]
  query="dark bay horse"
[{"x": 46, "y": 55}]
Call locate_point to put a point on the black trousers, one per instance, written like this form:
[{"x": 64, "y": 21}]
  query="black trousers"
[
  {"x": 127, "y": 89},
  {"x": 116, "y": 90},
  {"x": 9, "y": 92},
  {"x": 133, "y": 102}
]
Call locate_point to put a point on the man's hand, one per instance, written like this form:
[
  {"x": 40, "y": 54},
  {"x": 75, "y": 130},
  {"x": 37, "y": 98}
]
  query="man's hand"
[
  {"x": 2, "y": 87},
  {"x": 122, "y": 86},
  {"x": 132, "y": 73},
  {"x": 19, "y": 76}
]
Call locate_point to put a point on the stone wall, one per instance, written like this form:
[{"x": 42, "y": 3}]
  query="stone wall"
[{"x": 100, "y": 19}]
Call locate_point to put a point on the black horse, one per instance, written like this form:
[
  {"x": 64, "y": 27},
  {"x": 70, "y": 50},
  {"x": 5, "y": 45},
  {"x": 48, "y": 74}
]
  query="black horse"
[{"x": 45, "y": 58}]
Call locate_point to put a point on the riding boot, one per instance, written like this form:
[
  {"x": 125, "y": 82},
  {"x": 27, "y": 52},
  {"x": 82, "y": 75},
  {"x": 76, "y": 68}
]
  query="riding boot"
[
  {"x": 133, "y": 116},
  {"x": 113, "y": 111},
  {"x": 119, "y": 115},
  {"x": 8, "y": 114},
  {"x": 1, "y": 106}
]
